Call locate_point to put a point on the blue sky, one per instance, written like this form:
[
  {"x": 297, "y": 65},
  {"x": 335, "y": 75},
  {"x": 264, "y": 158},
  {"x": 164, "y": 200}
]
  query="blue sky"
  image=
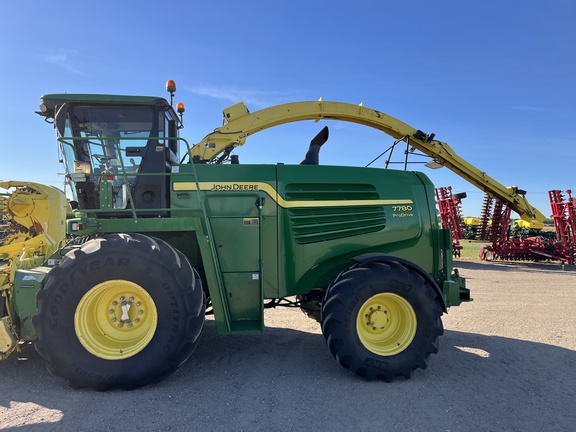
[{"x": 494, "y": 79}]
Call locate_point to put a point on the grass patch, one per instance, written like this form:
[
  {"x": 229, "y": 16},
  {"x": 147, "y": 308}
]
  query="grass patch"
[{"x": 471, "y": 248}]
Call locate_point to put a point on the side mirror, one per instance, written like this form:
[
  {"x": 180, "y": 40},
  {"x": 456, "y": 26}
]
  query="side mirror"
[
  {"x": 122, "y": 199},
  {"x": 60, "y": 120}
]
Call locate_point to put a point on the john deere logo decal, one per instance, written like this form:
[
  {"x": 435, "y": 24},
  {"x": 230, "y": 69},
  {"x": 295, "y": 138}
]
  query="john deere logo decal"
[{"x": 227, "y": 187}]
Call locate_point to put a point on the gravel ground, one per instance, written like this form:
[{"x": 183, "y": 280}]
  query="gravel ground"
[{"x": 507, "y": 362}]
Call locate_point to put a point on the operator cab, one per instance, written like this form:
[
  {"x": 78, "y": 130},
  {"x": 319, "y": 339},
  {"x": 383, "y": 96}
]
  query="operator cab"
[{"x": 117, "y": 150}]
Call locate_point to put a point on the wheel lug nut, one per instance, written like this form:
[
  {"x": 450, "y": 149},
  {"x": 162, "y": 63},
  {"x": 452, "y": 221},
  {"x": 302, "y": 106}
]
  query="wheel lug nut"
[
  {"x": 138, "y": 303},
  {"x": 114, "y": 303},
  {"x": 122, "y": 298},
  {"x": 129, "y": 325},
  {"x": 113, "y": 319},
  {"x": 120, "y": 325},
  {"x": 131, "y": 298},
  {"x": 140, "y": 312},
  {"x": 137, "y": 320}
]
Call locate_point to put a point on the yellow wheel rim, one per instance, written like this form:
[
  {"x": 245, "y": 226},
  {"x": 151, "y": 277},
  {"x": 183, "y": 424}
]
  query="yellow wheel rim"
[
  {"x": 386, "y": 324},
  {"x": 116, "y": 319}
]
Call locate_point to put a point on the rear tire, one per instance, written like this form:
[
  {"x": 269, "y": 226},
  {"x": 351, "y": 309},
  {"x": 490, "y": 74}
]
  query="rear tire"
[
  {"x": 120, "y": 312},
  {"x": 381, "y": 320}
]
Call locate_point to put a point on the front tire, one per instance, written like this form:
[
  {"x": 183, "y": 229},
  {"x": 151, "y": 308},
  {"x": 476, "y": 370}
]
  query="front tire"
[
  {"x": 122, "y": 311},
  {"x": 381, "y": 320}
]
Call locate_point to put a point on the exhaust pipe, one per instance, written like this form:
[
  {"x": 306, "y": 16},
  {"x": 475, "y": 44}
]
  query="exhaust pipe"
[{"x": 313, "y": 155}]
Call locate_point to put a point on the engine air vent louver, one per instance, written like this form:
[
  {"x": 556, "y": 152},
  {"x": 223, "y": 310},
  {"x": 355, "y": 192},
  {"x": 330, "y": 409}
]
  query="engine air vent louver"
[{"x": 328, "y": 222}]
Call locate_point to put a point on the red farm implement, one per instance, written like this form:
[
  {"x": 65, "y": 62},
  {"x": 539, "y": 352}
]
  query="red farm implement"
[
  {"x": 518, "y": 247},
  {"x": 564, "y": 216},
  {"x": 449, "y": 207}
]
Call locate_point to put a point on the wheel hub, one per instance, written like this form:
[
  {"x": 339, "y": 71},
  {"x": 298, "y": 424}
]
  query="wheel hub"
[
  {"x": 376, "y": 318},
  {"x": 115, "y": 319},
  {"x": 386, "y": 324},
  {"x": 126, "y": 312}
]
